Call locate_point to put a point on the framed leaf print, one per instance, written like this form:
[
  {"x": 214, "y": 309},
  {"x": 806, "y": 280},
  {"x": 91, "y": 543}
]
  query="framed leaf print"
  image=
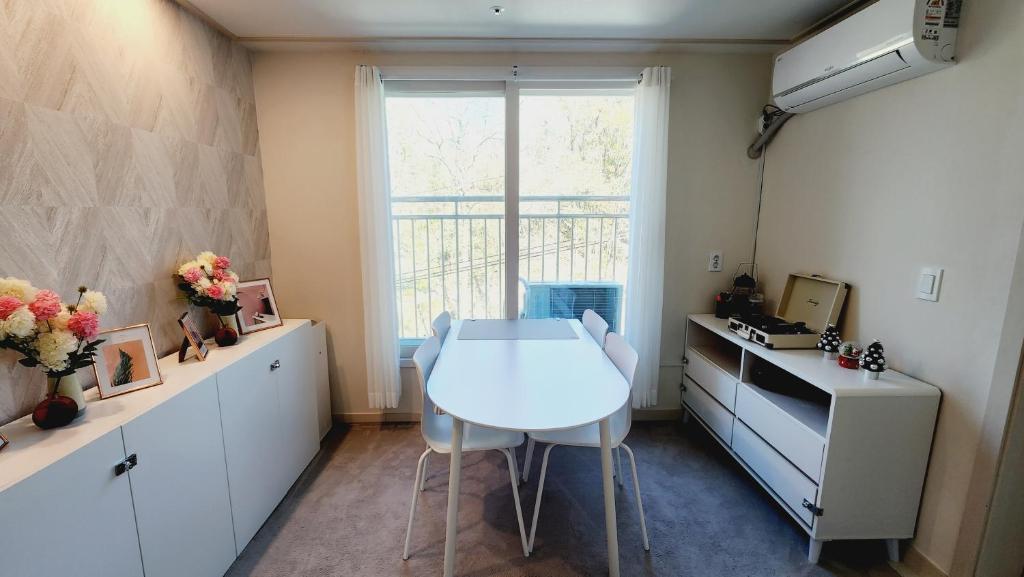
[{"x": 126, "y": 361}]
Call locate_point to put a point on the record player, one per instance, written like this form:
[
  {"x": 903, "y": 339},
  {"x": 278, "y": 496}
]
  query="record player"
[{"x": 808, "y": 304}]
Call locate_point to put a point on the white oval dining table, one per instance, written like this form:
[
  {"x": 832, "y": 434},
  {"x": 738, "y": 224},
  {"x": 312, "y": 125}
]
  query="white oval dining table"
[{"x": 527, "y": 385}]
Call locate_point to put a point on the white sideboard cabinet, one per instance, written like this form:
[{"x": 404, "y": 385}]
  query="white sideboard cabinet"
[
  {"x": 168, "y": 481},
  {"x": 844, "y": 456}
]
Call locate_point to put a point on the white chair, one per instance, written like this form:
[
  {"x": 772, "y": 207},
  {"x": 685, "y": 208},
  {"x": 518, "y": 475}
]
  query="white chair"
[
  {"x": 625, "y": 358},
  {"x": 440, "y": 326},
  {"x": 437, "y": 432},
  {"x": 595, "y": 325}
]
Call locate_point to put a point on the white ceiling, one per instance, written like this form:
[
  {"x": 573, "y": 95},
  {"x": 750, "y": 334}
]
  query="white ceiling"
[{"x": 670, "y": 20}]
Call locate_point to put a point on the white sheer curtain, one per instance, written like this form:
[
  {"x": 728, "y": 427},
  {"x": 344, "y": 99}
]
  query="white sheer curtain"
[
  {"x": 647, "y": 231},
  {"x": 379, "y": 315}
]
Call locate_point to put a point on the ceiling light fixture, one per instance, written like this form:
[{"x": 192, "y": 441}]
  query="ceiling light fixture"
[{"x": 497, "y": 10}]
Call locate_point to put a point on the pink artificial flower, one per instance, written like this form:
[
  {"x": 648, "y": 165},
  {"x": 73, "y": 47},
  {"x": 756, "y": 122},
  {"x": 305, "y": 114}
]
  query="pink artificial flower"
[
  {"x": 8, "y": 305},
  {"x": 221, "y": 275},
  {"x": 192, "y": 275},
  {"x": 222, "y": 262},
  {"x": 46, "y": 305},
  {"x": 215, "y": 291},
  {"x": 84, "y": 324}
]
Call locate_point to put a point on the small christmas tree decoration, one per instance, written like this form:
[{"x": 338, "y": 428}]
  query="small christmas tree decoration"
[
  {"x": 829, "y": 342},
  {"x": 873, "y": 360}
]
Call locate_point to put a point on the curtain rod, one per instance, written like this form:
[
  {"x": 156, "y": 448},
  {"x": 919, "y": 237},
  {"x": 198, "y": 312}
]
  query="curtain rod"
[{"x": 515, "y": 72}]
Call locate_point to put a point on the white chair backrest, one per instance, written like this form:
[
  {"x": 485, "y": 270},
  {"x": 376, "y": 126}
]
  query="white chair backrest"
[
  {"x": 441, "y": 324},
  {"x": 595, "y": 325},
  {"x": 622, "y": 355},
  {"x": 424, "y": 359}
]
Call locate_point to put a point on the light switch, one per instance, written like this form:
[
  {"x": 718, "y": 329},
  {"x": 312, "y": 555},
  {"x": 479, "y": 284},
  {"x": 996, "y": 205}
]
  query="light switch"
[{"x": 928, "y": 284}]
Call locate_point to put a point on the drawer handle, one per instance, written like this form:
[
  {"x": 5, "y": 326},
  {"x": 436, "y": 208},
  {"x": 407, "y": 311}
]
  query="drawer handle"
[
  {"x": 126, "y": 465},
  {"x": 275, "y": 365},
  {"x": 812, "y": 508}
]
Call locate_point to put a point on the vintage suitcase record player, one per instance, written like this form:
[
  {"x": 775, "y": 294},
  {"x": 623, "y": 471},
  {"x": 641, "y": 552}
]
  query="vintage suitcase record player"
[{"x": 808, "y": 303}]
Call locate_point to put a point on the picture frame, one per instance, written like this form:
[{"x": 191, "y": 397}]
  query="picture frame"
[
  {"x": 258, "y": 310},
  {"x": 3, "y": 442},
  {"x": 193, "y": 338},
  {"x": 126, "y": 361}
]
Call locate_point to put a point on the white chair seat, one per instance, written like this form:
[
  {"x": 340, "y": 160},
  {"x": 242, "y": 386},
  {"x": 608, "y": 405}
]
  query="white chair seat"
[
  {"x": 437, "y": 431},
  {"x": 586, "y": 436}
]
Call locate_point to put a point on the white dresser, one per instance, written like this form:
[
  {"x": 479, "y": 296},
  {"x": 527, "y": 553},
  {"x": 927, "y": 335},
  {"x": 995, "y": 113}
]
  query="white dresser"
[
  {"x": 844, "y": 456},
  {"x": 206, "y": 456}
]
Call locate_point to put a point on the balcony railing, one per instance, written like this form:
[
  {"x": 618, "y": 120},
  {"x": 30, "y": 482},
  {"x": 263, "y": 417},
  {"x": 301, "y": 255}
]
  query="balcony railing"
[{"x": 450, "y": 251}]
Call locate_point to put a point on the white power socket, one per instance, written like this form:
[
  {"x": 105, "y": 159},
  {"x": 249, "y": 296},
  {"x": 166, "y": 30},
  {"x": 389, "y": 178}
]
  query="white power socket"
[{"x": 715, "y": 261}]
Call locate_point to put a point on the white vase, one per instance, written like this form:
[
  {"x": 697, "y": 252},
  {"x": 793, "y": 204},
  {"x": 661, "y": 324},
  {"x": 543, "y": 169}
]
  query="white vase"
[
  {"x": 871, "y": 375},
  {"x": 68, "y": 387},
  {"x": 230, "y": 322}
]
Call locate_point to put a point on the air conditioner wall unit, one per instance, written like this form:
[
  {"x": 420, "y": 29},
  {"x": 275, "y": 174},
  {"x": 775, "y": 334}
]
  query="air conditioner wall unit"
[{"x": 885, "y": 43}]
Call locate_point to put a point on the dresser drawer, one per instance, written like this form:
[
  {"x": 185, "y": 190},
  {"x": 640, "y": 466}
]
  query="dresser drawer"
[
  {"x": 785, "y": 480},
  {"x": 783, "y": 430},
  {"x": 708, "y": 409},
  {"x": 720, "y": 384}
]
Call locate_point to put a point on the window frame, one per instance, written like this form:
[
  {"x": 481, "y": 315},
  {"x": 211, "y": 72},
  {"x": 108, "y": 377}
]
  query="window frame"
[{"x": 412, "y": 82}]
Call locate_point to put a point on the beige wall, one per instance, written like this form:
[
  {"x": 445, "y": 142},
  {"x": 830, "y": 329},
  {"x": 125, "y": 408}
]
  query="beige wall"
[
  {"x": 927, "y": 172},
  {"x": 305, "y": 109},
  {"x": 128, "y": 141}
]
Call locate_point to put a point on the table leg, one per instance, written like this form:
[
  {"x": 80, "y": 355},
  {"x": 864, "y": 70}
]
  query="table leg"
[
  {"x": 454, "y": 476},
  {"x": 610, "y": 526}
]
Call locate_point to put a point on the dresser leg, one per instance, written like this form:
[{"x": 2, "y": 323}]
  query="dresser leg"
[
  {"x": 686, "y": 416},
  {"x": 814, "y": 550},
  {"x": 893, "y": 547}
]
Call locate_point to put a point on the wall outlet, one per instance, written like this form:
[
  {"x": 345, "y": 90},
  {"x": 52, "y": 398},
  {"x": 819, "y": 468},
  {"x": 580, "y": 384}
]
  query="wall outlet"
[{"x": 715, "y": 261}]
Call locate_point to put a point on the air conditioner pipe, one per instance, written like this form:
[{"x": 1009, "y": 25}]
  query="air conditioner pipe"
[{"x": 762, "y": 141}]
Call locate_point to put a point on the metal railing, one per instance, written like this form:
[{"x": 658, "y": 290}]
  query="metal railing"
[{"x": 450, "y": 250}]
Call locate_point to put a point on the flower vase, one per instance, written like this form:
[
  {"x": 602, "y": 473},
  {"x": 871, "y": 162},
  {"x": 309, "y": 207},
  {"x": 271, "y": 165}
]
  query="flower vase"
[
  {"x": 227, "y": 334},
  {"x": 871, "y": 375},
  {"x": 68, "y": 387}
]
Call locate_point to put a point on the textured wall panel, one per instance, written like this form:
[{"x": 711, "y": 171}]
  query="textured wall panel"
[{"x": 128, "y": 142}]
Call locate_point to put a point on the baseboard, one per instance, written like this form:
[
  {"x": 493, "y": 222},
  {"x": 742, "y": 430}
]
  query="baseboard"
[
  {"x": 355, "y": 418},
  {"x": 657, "y": 414},
  {"x": 915, "y": 564},
  {"x": 394, "y": 417}
]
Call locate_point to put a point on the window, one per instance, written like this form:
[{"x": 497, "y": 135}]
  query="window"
[{"x": 455, "y": 187}]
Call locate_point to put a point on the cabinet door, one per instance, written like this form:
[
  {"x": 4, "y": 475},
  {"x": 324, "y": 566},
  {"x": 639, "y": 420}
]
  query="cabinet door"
[
  {"x": 180, "y": 486},
  {"x": 72, "y": 518},
  {"x": 296, "y": 389},
  {"x": 252, "y": 440}
]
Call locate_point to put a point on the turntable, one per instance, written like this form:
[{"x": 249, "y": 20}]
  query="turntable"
[{"x": 808, "y": 304}]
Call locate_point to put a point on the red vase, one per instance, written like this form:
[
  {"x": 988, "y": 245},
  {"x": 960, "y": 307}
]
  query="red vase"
[
  {"x": 55, "y": 411},
  {"x": 225, "y": 337}
]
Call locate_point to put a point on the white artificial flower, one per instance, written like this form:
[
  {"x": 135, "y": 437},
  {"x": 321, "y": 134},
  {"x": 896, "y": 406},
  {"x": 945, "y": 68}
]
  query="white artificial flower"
[
  {"x": 230, "y": 290},
  {"x": 206, "y": 259},
  {"x": 21, "y": 323},
  {"x": 54, "y": 348},
  {"x": 202, "y": 285},
  {"x": 60, "y": 322},
  {"x": 93, "y": 301},
  {"x": 187, "y": 266},
  {"x": 17, "y": 288}
]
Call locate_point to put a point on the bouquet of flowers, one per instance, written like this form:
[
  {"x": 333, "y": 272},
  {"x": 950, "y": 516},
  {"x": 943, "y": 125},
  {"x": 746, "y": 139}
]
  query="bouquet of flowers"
[
  {"x": 58, "y": 337},
  {"x": 208, "y": 282}
]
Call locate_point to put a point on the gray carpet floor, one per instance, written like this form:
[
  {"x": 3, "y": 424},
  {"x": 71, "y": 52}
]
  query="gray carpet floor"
[{"x": 347, "y": 515}]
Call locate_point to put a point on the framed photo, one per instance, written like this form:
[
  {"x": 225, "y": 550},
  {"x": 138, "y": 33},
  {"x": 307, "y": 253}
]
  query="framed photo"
[
  {"x": 3, "y": 441},
  {"x": 126, "y": 361},
  {"x": 192, "y": 337},
  {"x": 259, "y": 309}
]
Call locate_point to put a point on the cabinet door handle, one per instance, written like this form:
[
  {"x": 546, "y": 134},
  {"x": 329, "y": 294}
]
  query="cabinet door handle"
[
  {"x": 817, "y": 511},
  {"x": 275, "y": 365},
  {"x": 126, "y": 465}
]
